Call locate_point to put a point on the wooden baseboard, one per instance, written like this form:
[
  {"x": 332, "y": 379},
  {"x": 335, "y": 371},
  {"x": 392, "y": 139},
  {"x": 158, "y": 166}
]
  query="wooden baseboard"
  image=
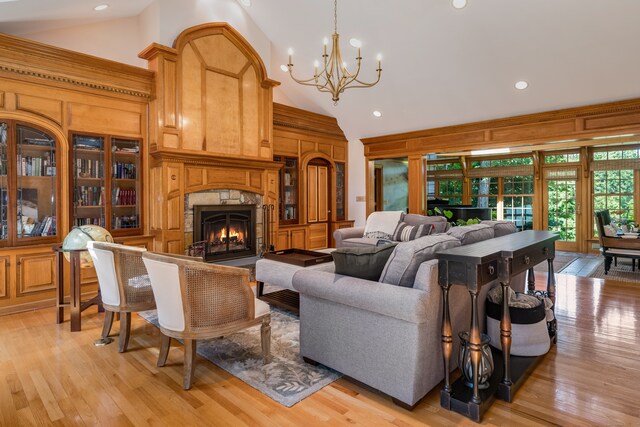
[{"x": 37, "y": 305}]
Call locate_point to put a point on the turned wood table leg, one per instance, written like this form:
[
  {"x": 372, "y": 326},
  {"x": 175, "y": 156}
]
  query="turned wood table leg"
[
  {"x": 475, "y": 347},
  {"x": 531, "y": 281},
  {"x": 551, "y": 281},
  {"x": 505, "y": 334},
  {"x": 446, "y": 337}
]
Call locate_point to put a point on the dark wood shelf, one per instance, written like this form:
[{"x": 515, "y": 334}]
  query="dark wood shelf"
[{"x": 460, "y": 398}]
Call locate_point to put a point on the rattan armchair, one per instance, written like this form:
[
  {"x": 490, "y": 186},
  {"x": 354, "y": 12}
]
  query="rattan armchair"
[
  {"x": 124, "y": 285},
  {"x": 197, "y": 300}
]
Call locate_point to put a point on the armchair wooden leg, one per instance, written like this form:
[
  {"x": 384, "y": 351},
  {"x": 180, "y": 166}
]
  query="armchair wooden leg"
[
  {"x": 125, "y": 331},
  {"x": 265, "y": 335},
  {"x": 189, "y": 362},
  {"x": 607, "y": 264},
  {"x": 108, "y": 323},
  {"x": 165, "y": 345}
]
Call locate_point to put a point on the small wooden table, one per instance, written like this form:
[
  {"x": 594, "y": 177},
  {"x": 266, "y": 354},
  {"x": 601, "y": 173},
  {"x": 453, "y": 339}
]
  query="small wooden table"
[
  {"x": 295, "y": 259},
  {"x": 474, "y": 266},
  {"x": 75, "y": 305}
]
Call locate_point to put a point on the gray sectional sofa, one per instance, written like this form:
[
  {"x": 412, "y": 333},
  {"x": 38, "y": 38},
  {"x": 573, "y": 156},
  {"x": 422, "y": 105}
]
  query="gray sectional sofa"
[{"x": 386, "y": 334}]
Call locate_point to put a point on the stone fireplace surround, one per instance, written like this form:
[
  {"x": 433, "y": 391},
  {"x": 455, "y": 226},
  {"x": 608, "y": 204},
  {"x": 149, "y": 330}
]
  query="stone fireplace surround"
[{"x": 221, "y": 197}]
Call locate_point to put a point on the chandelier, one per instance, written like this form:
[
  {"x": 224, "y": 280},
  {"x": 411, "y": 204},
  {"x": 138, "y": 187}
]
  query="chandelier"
[{"x": 335, "y": 78}]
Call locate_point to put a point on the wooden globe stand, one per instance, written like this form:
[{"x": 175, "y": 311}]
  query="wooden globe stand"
[{"x": 75, "y": 304}]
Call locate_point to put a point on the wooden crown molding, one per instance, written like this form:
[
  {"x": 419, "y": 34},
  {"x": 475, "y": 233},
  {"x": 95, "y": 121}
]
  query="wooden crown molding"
[
  {"x": 42, "y": 61},
  {"x": 286, "y": 117},
  {"x": 205, "y": 159},
  {"x": 630, "y": 105}
]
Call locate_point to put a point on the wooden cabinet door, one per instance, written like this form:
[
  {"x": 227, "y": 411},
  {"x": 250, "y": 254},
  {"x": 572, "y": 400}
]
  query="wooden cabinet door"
[
  {"x": 323, "y": 193},
  {"x": 282, "y": 240},
  {"x": 4, "y": 277},
  {"x": 312, "y": 193},
  {"x": 318, "y": 236},
  {"x": 299, "y": 238},
  {"x": 36, "y": 273}
]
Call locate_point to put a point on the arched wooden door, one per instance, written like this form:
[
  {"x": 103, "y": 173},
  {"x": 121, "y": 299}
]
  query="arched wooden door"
[{"x": 318, "y": 203}]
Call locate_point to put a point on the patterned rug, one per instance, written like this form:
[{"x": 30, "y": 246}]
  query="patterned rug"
[
  {"x": 621, "y": 273},
  {"x": 287, "y": 380}
]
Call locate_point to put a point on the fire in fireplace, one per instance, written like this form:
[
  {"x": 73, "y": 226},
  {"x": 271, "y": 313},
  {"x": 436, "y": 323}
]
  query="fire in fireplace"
[{"x": 228, "y": 231}]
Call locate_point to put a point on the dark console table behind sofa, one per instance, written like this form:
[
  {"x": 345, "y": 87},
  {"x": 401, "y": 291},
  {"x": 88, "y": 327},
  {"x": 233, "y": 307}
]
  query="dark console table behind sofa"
[{"x": 474, "y": 266}]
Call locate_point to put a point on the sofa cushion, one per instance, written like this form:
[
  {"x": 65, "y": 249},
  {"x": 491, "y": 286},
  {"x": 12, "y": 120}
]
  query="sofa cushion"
[
  {"x": 440, "y": 223},
  {"x": 501, "y": 228},
  {"x": 365, "y": 262},
  {"x": 381, "y": 225},
  {"x": 356, "y": 242},
  {"x": 403, "y": 264},
  {"x": 468, "y": 234},
  {"x": 405, "y": 232}
]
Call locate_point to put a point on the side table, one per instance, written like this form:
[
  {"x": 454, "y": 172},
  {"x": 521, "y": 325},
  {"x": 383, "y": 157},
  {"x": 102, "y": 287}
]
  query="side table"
[
  {"x": 474, "y": 266},
  {"x": 75, "y": 304}
]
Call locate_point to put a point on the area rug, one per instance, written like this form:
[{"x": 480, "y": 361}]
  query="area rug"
[
  {"x": 621, "y": 273},
  {"x": 287, "y": 379},
  {"x": 560, "y": 262}
]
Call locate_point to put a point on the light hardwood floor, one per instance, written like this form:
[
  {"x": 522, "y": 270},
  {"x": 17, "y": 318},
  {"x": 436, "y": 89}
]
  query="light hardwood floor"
[{"x": 49, "y": 375}]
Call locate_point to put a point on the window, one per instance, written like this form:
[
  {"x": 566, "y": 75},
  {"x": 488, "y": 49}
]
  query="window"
[
  {"x": 485, "y": 193},
  {"x": 444, "y": 181},
  {"x": 562, "y": 158},
  {"x": 518, "y": 201},
  {"x": 613, "y": 180}
]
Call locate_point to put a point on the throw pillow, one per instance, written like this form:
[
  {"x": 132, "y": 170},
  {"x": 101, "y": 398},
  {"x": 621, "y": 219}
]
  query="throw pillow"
[
  {"x": 405, "y": 232},
  {"x": 610, "y": 231},
  {"x": 377, "y": 235},
  {"x": 381, "y": 225},
  {"x": 365, "y": 262}
]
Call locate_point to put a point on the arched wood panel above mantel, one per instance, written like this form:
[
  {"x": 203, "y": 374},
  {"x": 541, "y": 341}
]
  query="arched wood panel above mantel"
[{"x": 212, "y": 94}]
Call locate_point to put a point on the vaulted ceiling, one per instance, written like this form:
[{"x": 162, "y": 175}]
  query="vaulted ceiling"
[{"x": 441, "y": 65}]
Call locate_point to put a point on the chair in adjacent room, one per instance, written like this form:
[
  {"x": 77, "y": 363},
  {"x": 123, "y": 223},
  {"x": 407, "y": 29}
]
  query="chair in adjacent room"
[
  {"x": 197, "y": 300},
  {"x": 124, "y": 285},
  {"x": 613, "y": 246}
]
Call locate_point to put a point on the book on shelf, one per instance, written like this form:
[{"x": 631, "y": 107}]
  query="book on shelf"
[
  {"x": 117, "y": 149},
  {"x": 88, "y": 143},
  {"x": 128, "y": 221},
  {"x": 124, "y": 170},
  {"x": 124, "y": 196},
  {"x": 35, "y": 166}
]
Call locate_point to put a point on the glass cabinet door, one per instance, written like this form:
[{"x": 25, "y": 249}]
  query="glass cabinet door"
[
  {"x": 36, "y": 191},
  {"x": 4, "y": 185},
  {"x": 125, "y": 183},
  {"x": 89, "y": 204},
  {"x": 288, "y": 203},
  {"x": 340, "y": 191}
]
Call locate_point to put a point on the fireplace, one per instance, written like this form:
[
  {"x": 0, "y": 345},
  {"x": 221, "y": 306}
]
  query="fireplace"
[{"x": 228, "y": 231}]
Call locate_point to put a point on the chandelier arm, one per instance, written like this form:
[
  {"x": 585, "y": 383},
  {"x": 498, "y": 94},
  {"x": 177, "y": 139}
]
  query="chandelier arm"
[{"x": 304, "y": 82}]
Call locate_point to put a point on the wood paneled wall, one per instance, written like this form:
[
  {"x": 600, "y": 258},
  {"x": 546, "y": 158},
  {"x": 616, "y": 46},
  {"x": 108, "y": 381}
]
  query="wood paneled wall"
[{"x": 213, "y": 95}]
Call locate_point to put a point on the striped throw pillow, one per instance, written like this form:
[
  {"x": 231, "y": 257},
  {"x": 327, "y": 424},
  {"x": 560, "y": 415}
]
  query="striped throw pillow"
[{"x": 405, "y": 232}]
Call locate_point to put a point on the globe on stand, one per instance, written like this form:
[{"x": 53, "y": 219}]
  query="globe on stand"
[{"x": 78, "y": 238}]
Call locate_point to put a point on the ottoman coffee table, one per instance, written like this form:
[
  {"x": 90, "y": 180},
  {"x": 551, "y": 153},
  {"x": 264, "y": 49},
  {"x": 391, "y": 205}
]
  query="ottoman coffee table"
[{"x": 277, "y": 269}]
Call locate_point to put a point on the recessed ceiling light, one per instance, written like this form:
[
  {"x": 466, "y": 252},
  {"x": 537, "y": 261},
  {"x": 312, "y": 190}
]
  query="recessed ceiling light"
[
  {"x": 521, "y": 85},
  {"x": 459, "y": 4},
  {"x": 284, "y": 68},
  {"x": 245, "y": 3},
  {"x": 100, "y": 7},
  {"x": 355, "y": 43},
  {"x": 377, "y": 113}
]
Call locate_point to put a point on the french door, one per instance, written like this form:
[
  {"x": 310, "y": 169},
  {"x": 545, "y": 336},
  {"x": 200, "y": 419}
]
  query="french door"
[{"x": 562, "y": 206}]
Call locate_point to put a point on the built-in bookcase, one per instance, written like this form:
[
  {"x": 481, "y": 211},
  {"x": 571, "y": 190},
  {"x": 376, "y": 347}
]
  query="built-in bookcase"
[
  {"x": 288, "y": 212},
  {"x": 106, "y": 182},
  {"x": 28, "y": 184}
]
